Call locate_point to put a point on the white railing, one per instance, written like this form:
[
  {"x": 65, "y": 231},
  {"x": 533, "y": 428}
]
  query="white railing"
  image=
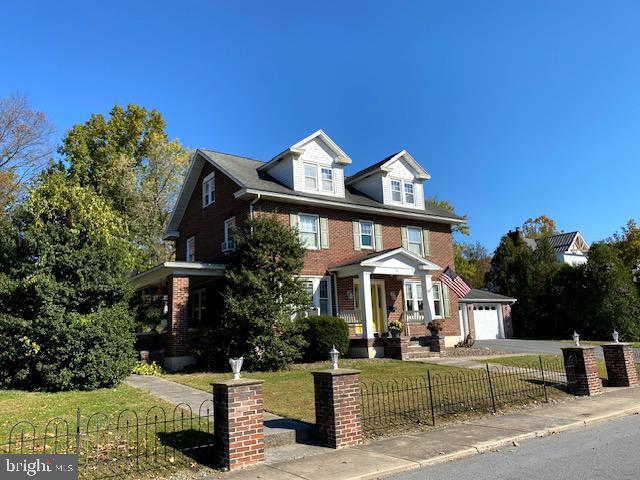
[
  {"x": 411, "y": 318},
  {"x": 353, "y": 318}
]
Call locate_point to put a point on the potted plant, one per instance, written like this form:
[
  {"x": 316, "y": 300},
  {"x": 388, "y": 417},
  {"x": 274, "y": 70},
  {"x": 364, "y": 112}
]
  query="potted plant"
[
  {"x": 395, "y": 328},
  {"x": 435, "y": 327}
]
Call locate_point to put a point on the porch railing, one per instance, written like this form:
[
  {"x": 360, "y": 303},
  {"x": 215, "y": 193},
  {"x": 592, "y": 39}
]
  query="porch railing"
[
  {"x": 410, "y": 319},
  {"x": 352, "y": 318}
]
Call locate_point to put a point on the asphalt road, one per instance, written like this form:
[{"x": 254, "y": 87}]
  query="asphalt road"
[
  {"x": 604, "y": 451},
  {"x": 541, "y": 347}
]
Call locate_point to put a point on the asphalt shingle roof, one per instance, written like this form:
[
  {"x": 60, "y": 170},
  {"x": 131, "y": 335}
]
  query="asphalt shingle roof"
[
  {"x": 485, "y": 296},
  {"x": 245, "y": 170}
]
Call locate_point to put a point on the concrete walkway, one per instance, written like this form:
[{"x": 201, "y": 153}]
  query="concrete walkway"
[
  {"x": 393, "y": 455},
  {"x": 538, "y": 347},
  {"x": 279, "y": 431}
]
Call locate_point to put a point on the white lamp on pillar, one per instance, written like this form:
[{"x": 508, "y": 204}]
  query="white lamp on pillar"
[
  {"x": 616, "y": 336},
  {"x": 236, "y": 366},
  {"x": 333, "y": 353},
  {"x": 576, "y": 338}
]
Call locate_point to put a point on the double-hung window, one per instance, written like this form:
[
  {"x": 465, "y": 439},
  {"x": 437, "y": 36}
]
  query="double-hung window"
[
  {"x": 438, "y": 305},
  {"x": 414, "y": 240},
  {"x": 413, "y": 296},
  {"x": 191, "y": 250},
  {"x": 327, "y": 179},
  {"x": 409, "y": 196},
  {"x": 310, "y": 176},
  {"x": 318, "y": 290},
  {"x": 198, "y": 304},
  {"x": 208, "y": 190},
  {"x": 229, "y": 242},
  {"x": 323, "y": 297},
  {"x": 366, "y": 234},
  {"x": 396, "y": 190},
  {"x": 308, "y": 226}
]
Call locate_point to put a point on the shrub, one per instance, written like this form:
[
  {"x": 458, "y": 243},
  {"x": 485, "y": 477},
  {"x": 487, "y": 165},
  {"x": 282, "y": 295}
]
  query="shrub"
[
  {"x": 67, "y": 351},
  {"x": 151, "y": 369},
  {"x": 321, "y": 334}
]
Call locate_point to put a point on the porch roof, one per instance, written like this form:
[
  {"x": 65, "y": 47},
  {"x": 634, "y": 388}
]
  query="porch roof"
[
  {"x": 160, "y": 272},
  {"x": 393, "y": 261}
]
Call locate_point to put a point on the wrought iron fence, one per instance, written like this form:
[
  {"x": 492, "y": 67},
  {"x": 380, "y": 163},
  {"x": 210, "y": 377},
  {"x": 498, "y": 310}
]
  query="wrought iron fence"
[
  {"x": 115, "y": 445},
  {"x": 429, "y": 399}
]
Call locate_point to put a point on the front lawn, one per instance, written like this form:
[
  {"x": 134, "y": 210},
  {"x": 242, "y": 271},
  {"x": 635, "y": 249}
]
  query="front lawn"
[
  {"x": 289, "y": 393},
  {"x": 39, "y": 407}
]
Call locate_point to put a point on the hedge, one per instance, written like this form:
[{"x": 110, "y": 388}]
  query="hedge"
[{"x": 321, "y": 334}]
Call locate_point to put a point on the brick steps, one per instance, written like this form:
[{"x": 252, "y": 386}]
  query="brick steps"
[{"x": 415, "y": 351}]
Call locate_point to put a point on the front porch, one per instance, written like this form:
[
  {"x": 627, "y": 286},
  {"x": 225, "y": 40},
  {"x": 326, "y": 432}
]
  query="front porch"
[{"x": 390, "y": 286}]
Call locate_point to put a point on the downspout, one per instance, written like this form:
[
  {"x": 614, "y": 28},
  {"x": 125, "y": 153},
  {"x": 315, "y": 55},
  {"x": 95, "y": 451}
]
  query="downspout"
[
  {"x": 253, "y": 202},
  {"x": 334, "y": 304}
]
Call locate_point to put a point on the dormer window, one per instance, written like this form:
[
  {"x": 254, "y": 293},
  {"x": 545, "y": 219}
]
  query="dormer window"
[
  {"x": 208, "y": 190},
  {"x": 396, "y": 190},
  {"x": 311, "y": 176},
  {"x": 327, "y": 179},
  {"x": 408, "y": 193}
]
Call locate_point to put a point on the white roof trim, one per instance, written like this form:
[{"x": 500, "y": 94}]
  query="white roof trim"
[
  {"x": 378, "y": 265},
  {"x": 298, "y": 199},
  {"x": 342, "y": 157},
  {"x": 420, "y": 173},
  {"x": 575, "y": 238},
  {"x": 161, "y": 271}
]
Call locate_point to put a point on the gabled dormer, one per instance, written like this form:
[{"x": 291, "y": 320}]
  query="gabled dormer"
[
  {"x": 398, "y": 180},
  {"x": 313, "y": 165}
]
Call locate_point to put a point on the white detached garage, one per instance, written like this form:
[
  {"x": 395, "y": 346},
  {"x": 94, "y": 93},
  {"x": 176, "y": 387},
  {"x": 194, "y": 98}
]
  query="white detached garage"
[{"x": 485, "y": 315}]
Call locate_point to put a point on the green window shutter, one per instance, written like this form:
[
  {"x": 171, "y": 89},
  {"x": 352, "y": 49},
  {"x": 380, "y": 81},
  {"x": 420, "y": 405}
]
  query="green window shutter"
[
  {"x": 445, "y": 301},
  {"x": 293, "y": 219},
  {"x": 403, "y": 231},
  {"x": 426, "y": 240},
  {"x": 356, "y": 235},
  {"x": 324, "y": 232},
  {"x": 378, "y": 234}
]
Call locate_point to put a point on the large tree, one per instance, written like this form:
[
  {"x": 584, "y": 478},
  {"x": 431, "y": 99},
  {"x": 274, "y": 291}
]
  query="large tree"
[
  {"x": 461, "y": 228},
  {"x": 25, "y": 145},
  {"x": 472, "y": 262},
  {"x": 627, "y": 243},
  {"x": 128, "y": 160}
]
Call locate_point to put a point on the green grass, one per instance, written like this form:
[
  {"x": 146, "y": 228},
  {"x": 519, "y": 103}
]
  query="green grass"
[
  {"x": 553, "y": 362},
  {"x": 39, "y": 407},
  {"x": 290, "y": 393}
]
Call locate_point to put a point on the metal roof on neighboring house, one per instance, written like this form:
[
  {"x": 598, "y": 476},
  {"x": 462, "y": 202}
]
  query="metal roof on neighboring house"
[
  {"x": 245, "y": 171},
  {"x": 477, "y": 295},
  {"x": 560, "y": 242}
]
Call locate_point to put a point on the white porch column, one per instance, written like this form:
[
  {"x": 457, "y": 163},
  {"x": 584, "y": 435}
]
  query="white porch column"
[
  {"x": 500, "y": 321},
  {"x": 427, "y": 298},
  {"x": 366, "y": 309}
]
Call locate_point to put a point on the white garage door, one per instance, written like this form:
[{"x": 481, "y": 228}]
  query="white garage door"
[{"x": 486, "y": 320}]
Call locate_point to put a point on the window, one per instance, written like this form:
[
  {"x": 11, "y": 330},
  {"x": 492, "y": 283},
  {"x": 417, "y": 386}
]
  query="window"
[
  {"x": 308, "y": 225},
  {"x": 409, "y": 197},
  {"x": 229, "y": 243},
  {"x": 198, "y": 304},
  {"x": 396, "y": 190},
  {"x": 414, "y": 240},
  {"x": 413, "y": 297},
  {"x": 438, "y": 307},
  {"x": 323, "y": 294},
  {"x": 191, "y": 249},
  {"x": 208, "y": 190},
  {"x": 311, "y": 176},
  {"x": 327, "y": 179},
  {"x": 366, "y": 234},
  {"x": 318, "y": 290}
]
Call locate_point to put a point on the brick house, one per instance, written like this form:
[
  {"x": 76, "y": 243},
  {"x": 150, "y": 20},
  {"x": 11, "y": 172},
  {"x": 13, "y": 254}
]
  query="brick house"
[{"x": 375, "y": 248}]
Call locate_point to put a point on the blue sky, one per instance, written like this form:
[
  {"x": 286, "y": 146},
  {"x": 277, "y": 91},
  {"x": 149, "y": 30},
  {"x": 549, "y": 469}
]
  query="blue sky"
[{"x": 516, "y": 108}]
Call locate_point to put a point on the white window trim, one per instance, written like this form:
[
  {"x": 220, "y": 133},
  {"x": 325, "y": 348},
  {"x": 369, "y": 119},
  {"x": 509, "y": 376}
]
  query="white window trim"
[
  {"x": 409, "y": 227},
  {"x": 403, "y": 198},
  {"x": 228, "y": 224},
  {"x": 440, "y": 300},
  {"x": 212, "y": 192},
  {"x": 317, "y": 217},
  {"x": 413, "y": 192},
  {"x": 333, "y": 179},
  {"x": 373, "y": 235},
  {"x": 188, "y": 252},
  {"x": 414, "y": 293},
  {"x": 305, "y": 176},
  {"x": 315, "y": 280}
]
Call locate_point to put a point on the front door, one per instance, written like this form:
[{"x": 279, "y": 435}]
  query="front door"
[{"x": 378, "y": 304}]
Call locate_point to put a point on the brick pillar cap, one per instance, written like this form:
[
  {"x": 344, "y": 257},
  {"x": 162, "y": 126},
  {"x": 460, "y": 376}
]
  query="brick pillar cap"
[
  {"x": 581, "y": 347},
  {"x": 619, "y": 344},
  {"x": 237, "y": 383},
  {"x": 336, "y": 372}
]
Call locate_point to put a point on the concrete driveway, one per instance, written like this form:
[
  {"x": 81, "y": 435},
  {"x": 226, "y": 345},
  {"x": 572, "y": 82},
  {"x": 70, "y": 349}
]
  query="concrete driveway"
[{"x": 539, "y": 347}]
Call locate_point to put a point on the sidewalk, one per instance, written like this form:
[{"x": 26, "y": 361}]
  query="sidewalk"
[{"x": 393, "y": 455}]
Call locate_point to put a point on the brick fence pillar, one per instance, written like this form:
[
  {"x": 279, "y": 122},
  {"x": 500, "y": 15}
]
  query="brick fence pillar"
[
  {"x": 621, "y": 368},
  {"x": 238, "y": 418},
  {"x": 337, "y": 401},
  {"x": 582, "y": 370},
  {"x": 178, "y": 325}
]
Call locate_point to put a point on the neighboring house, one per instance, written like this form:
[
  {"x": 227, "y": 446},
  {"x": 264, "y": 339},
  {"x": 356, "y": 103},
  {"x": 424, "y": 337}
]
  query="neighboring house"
[
  {"x": 375, "y": 248},
  {"x": 571, "y": 248},
  {"x": 485, "y": 315}
]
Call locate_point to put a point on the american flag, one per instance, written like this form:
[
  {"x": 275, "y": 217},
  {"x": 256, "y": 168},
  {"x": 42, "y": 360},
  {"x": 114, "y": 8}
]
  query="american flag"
[{"x": 455, "y": 282}]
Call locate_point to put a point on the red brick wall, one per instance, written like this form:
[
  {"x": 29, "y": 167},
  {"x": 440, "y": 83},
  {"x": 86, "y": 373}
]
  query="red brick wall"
[
  {"x": 207, "y": 224},
  {"x": 337, "y": 402},
  {"x": 176, "y": 339}
]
